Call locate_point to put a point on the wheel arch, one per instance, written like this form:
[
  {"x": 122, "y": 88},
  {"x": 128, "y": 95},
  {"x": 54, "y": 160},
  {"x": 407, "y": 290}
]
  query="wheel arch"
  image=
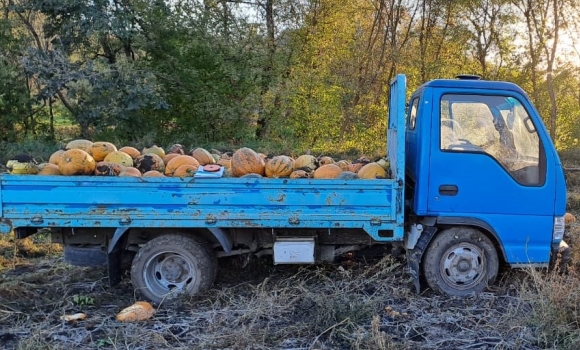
[{"x": 444, "y": 222}]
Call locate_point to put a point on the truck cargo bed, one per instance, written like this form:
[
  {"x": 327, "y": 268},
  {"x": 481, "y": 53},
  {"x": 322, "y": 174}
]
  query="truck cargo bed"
[{"x": 89, "y": 201}]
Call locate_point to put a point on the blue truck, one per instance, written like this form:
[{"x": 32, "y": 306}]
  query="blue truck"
[{"x": 476, "y": 183}]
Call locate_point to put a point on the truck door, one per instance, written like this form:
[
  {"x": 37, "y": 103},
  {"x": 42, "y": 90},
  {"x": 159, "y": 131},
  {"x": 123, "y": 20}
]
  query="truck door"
[{"x": 488, "y": 167}]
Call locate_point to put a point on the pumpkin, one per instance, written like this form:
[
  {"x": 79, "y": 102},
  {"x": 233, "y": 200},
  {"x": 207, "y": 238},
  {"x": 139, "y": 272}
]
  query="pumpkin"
[
  {"x": 48, "y": 169},
  {"x": 226, "y": 163},
  {"x": 251, "y": 175},
  {"x": 85, "y": 145},
  {"x": 355, "y": 167},
  {"x": 202, "y": 156},
  {"x": 176, "y": 149},
  {"x": 154, "y": 149},
  {"x": 56, "y": 157},
  {"x": 99, "y": 150},
  {"x": 347, "y": 175},
  {"x": 215, "y": 151},
  {"x": 372, "y": 171},
  {"x": 104, "y": 168},
  {"x": 569, "y": 218},
  {"x": 132, "y": 151},
  {"x": 130, "y": 171},
  {"x": 325, "y": 160},
  {"x": 246, "y": 161},
  {"x": 169, "y": 156},
  {"x": 306, "y": 162},
  {"x": 178, "y": 161},
  {"x": 153, "y": 173},
  {"x": 140, "y": 311},
  {"x": 299, "y": 174},
  {"x": 279, "y": 166},
  {"x": 343, "y": 164},
  {"x": 119, "y": 157},
  {"x": 327, "y": 171},
  {"x": 150, "y": 161},
  {"x": 216, "y": 157},
  {"x": 185, "y": 170},
  {"x": 384, "y": 163},
  {"x": 77, "y": 162}
]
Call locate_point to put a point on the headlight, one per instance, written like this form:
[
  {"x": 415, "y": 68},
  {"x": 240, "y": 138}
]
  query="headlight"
[{"x": 558, "y": 232}]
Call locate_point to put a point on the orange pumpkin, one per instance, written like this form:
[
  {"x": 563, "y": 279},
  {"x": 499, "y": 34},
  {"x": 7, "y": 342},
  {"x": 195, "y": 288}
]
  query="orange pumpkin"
[
  {"x": 176, "y": 149},
  {"x": 306, "y": 162},
  {"x": 77, "y": 162},
  {"x": 226, "y": 163},
  {"x": 154, "y": 149},
  {"x": 185, "y": 170},
  {"x": 150, "y": 161},
  {"x": 56, "y": 157},
  {"x": 279, "y": 166},
  {"x": 178, "y": 161},
  {"x": 100, "y": 149},
  {"x": 104, "y": 168},
  {"x": 132, "y": 151},
  {"x": 130, "y": 171},
  {"x": 327, "y": 171},
  {"x": 49, "y": 169},
  {"x": 85, "y": 145},
  {"x": 169, "y": 156},
  {"x": 153, "y": 173},
  {"x": 119, "y": 157},
  {"x": 372, "y": 171},
  {"x": 202, "y": 156},
  {"x": 247, "y": 161},
  {"x": 325, "y": 160},
  {"x": 299, "y": 174},
  {"x": 343, "y": 164}
]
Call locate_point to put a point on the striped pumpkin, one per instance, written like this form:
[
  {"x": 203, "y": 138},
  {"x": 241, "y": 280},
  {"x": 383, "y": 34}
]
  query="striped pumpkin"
[
  {"x": 247, "y": 161},
  {"x": 279, "y": 166}
]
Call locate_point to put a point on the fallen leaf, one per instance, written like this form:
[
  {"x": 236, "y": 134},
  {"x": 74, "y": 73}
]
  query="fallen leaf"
[{"x": 76, "y": 317}]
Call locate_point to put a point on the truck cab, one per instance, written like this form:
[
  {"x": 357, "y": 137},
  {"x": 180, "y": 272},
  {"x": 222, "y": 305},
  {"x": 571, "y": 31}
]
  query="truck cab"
[{"x": 484, "y": 182}]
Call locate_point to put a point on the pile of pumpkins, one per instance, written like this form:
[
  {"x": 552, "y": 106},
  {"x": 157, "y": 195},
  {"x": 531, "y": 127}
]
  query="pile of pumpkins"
[{"x": 84, "y": 157}]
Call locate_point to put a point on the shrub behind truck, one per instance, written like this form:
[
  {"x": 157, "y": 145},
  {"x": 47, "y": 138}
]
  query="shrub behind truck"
[{"x": 475, "y": 183}]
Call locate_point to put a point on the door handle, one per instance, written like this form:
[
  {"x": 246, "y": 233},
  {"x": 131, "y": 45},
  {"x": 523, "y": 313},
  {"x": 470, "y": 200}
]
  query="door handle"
[{"x": 448, "y": 190}]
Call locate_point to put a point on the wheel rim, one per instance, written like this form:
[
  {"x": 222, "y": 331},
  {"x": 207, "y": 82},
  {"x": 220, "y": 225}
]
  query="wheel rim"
[
  {"x": 168, "y": 272},
  {"x": 463, "y": 266}
]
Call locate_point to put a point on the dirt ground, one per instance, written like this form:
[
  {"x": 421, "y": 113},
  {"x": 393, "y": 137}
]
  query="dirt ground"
[{"x": 361, "y": 302}]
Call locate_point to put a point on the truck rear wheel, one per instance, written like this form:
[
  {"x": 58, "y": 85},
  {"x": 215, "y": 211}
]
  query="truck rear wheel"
[
  {"x": 460, "y": 261},
  {"x": 173, "y": 264}
]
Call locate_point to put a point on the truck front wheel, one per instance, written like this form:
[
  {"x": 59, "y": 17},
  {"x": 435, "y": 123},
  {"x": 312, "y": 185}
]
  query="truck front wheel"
[
  {"x": 460, "y": 261},
  {"x": 173, "y": 264}
]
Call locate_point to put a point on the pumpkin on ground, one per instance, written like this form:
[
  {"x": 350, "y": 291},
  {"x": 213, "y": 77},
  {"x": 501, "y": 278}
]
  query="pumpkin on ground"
[
  {"x": 185, "y": 170},
  {"x": 119, "y": 157},
  {"x": 327, "y": 171},
  {"x": 56, "y": 157},
  {"x": 279, "y": 166},
  {"x": 140, "y": 311},
  {"x": 154, "y": 149},
  {"x": 306, "y": 162},
  {"x": 132, "y": 151},
  {"x": 99, "y": 150},
  {"x": 151, "y": 161},
  {"x": 246, "y": 161},
  {"x": 178, "y": 161},
  {"x": 372, "y": 171},
  {"x": 83, "y": 144},
  {"x": 77, "y": 162},
  {"x": 49, "y": 169},
  {"x": 202, "y": 156}
]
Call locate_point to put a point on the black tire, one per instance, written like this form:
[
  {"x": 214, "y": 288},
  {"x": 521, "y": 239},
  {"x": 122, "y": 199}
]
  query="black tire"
[
  {"x": 460, "y": 261},
  {"x": 173, "y": 264},
  {"x": 85, "y": 255}
]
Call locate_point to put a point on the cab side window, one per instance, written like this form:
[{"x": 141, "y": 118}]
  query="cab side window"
[{"x": 412, "y": 115}]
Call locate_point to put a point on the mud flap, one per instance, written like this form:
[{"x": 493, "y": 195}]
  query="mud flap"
[
  {"x": 414, "y": 256},
  {"x": 114, "y": 257}
]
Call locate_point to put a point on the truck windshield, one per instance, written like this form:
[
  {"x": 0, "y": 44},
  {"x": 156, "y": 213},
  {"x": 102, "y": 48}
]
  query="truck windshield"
[{"x": 498, "y": 126}]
